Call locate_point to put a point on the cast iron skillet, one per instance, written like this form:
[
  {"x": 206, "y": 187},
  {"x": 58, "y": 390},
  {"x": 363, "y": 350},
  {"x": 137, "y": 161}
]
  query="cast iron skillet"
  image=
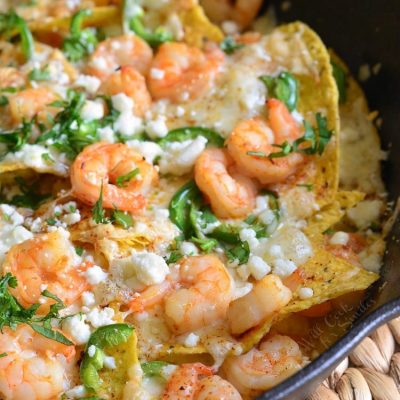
[{"x": 361, "y": 31}]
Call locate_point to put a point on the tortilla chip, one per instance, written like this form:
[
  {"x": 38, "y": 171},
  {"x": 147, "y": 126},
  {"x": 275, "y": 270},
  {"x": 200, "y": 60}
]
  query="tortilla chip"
[
  {"x": 198, "y": 28},
  {"x": 115, "y": 380},
  {"x": 329, "y": 277},
  {"x": 332, "y": 213},
  {"x": 317, "y": 93}
]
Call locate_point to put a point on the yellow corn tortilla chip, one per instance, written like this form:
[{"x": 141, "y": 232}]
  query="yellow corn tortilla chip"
[
  {"x": 317, "y": 93},
  {"x": 329, "y": 277},
  {"x": 115, "y": 380},
  {"x": 198, "y": 27},
  {"x": 332, "y": 213}
]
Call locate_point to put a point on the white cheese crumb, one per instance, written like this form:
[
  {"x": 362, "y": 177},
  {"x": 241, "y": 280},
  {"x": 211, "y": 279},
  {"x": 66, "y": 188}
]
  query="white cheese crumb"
[
  {"x": 91, "y": 350},
  {"x": 122, "y": 103},
  {"x": 365, "y": 213},
  {"x": 88, "y": 82},
  {"x": 77, "y": 329},
  {"x": 191, "y": 340},
  {"x": 76, "y": 392},
  {"x": 94, "y": 275},
  {"x": 230, "y": 27},
  {"x": 128, "y": 124},
  {"x": 88, "y": 299},
  {"x": 284, "y": 267},
  {"x": 150, "y": 268},
  {"x": 339, "y": 238},
  {"x": 101, "y": 317},
  {"x": 249, "y": 235},
  {"x": 149, "y": 150},
  {"x": 305, "y": 293},
  {"x": 109, "y": 362},
  {"x": 189, "y": 249},
  {"x": 156, "y": 128},
  {"x": 258, "y": 267},
  {"x": 106, "y": 134},
  {"x": 156, "y": 73},
  {"x": 92, "y": 110}
]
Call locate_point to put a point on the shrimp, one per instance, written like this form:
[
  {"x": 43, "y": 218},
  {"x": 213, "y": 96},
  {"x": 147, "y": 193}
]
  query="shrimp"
[
  {"x": 24, "y": 105},
  {"x": 349, "y": 251},
  {"x": 231, "y": 195},
  {"x": 47, "y": 261},
  {"x": 267, "y": 297},
  {"x": 185, "y": 72},
  {"x": 242, "y": 12},
  {"x": 34, "y": 368},
  {"x": 100, "y": 164},
  {"x": 196, "y": 382},
  {"x": 119, "y": 51},
  {"x": 130, "y": 82},
  {"x": 251, "y": 142},
  {"x": 277, "y": 358},
  {"x": 11, "y": 77},
  {"x": 203, "y": 295}
]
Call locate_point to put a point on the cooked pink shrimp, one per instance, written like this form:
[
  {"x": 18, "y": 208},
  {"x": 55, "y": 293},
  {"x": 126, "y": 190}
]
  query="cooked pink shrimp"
[
  {"x": 182, "y": 385},
  {"x": 24, "y": 105},
  {"x": 185, "y": 72},
  {"x": 150, "y": 296},
  {"x": 119, "y": 51},
  {"x": 35, "y": 368},
  {"x": 130, "y": 82},
  {"x": 251, "y": 142},
  {"x": 203, "y": 295},
  {"x": 268, "y": 296},
  {"x": 242, "y": 12},
  {"x": 277, "y": 358},
  {"x": 101, "y": 164},
  {"x": 196, "y": 382},
  {"x": 231, "y": 195},
  {"x": 11, "y": 77},
  {"x": 47, "y": 261}
]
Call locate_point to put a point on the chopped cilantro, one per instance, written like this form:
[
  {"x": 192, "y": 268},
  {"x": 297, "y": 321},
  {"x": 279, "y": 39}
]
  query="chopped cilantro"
[
  {"x": 123, "y": 179},
  {"x": 79, "y": 43},
  {"x": 15, "y": 139},
  {"x": 3, "y": 101},
  {"x": 12, "y": 313},
  {"x": 98, "y": 212},
  {"x": 38, "y": 74},
  {"x": 79, "y": 250},
  {"x": 308, "y": 186},
  {"x": 240, "y": 253},
  {"x": 122, "y": 218},
  {"x": 47, "y": 158},
  {"x": 229, "y": 45}
]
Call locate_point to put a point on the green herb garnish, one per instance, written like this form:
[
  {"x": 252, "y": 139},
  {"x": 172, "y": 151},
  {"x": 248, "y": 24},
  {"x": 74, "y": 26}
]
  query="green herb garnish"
[
  {"x": 15, "y": 139},
  {"x": 123, "y": 179},
  {"x": 98, "y": 212},
  {"x": 340, "y": 77},
  {"x": 122, "y": 218},
  {"x": 229, "y": 45},
  {"x": 284, "y": 87},
  {"x": 192, "y": 132},
  {"x": 12, "y": 313},
  {"x": 80, "y": 42},
  {"x": 38, "y": 74}
]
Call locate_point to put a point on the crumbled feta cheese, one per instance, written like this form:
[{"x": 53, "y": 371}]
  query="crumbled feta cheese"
[
  {"x": 77, "y": 329},
  {"x": 156, "y": 73},
  {"x": 365, "y": 213},
  {"x": 100, "y": 317},
  {"x": 88, "y": 299},
  {"x": 72, "y": 218},
  {"x": 106, "y": 134},
  {"x": 339, "y": 238},
  {"x": 305, "y": 293},
  {"x": 258, "y": 267},
  {"x": 156, "y": 128},
  {"x": 88, "y": 82},
  {"x": 77, "y": 392},
  {"x": 230, "y": 27},
  {"x": 109, "y": 362},
  {"x": 140, "y": 269},
  {"x": 180, "y": 111},
  {"x": 91, "y": 350},
  {"x": 191, "y": 340},
  {"x": 94, "y": 275},
  {"x": 284, "y": 267},
  {"x": 275, "y": 250},
  {"x": 161, "y": 213},
  {"x": 249, "y": 235},
  {"x": 149, "y": 150},
  {"x": 189, "y": 249},
  {"x": 92, "y": 110},
  {"x": 128, "y": 124},
  {"x": 243, "y": 271},
  {"x": 179, "y": 157},
  {"x": 122, "y": 103}
]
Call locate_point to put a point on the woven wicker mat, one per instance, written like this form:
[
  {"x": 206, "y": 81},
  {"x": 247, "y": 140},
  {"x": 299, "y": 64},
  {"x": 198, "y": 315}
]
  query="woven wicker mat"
[{"x": 372, "y": 371}]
